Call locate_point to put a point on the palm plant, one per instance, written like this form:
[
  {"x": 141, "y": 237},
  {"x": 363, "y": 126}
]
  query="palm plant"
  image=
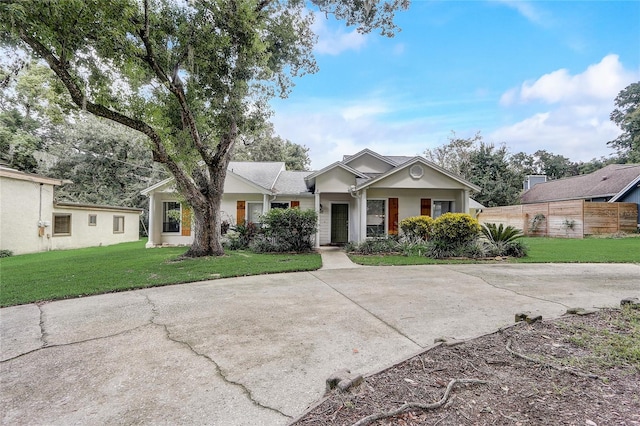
[{"x": 503, "y": 241}]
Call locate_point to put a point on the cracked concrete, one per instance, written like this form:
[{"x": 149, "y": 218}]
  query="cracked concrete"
[{"x": 257, "y": 350}]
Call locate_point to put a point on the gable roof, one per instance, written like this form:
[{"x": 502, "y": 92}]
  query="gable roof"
[
  {"x": 348, "y": 158},
  {"x": 607, "y": 182},
  {"x": 424, "y": 162},
  {"x": 333, "y": 166}
]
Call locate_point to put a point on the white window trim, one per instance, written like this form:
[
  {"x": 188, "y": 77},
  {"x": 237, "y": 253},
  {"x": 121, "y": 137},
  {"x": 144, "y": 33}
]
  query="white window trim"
[
  {"x": 179, "y": 231},
  {"x": 385, "y": 222},
  {"x": 248, "y": 209},
  {"x": 433, "y": 206},
  {"x": 95, "y": 222}
]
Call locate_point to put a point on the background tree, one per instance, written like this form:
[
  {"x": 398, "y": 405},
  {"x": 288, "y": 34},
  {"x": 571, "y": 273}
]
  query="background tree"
[
  {"x": 626, "y": 115},
  {"x": 189, "y": 76},
  {"x": 489, "y": 168},
  {"x": 454, "y": 156},
  {"x": 265, "y": 145},
  {"x": 106, "y": 163},
  {"x": 541, "y": 162}
]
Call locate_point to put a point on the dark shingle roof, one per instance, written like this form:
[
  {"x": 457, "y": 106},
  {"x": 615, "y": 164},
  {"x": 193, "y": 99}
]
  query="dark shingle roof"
[{"x": 603, "y": 183}]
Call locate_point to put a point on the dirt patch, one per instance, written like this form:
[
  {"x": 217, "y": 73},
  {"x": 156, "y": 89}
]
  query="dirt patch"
[{"x": 576, "y": 370}]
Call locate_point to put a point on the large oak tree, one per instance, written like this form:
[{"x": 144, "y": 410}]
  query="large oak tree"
[{"x": 189, "y": 75}]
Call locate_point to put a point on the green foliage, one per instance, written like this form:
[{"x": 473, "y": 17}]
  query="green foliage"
[
  {"x": 265, "y": 145},
  {"x": 455, "y": 229},
  {"x": 64, "y": 274},
  {"x": 240, "y": 237},
  {"x": 6, "y": 253},
  {"x": 417, "y": 227},
  {"x": 131, "y": 61},
  {"x": 503, "y": 241},
  {"x": 626, "y": 116},
  {"x": 500, "y": 233},
  {"x": 287, "y": 230},
  {"x": 378, "y": 245}
]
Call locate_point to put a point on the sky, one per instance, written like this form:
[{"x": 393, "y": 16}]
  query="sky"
[{"x": 530, "y": 74}]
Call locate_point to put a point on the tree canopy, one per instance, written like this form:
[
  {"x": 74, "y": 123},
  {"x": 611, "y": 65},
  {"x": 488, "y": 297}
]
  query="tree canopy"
[
  {"x": 190, "y": 76},
  {"x": 626, "y": 115}
]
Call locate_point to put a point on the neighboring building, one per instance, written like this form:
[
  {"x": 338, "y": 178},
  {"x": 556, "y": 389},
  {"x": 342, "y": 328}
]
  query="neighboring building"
[
  {"x": 363, "y": 195},
  {"x": 532, "y": 180},
  {"x": 31, "y": 220},
  {"x": 613, "y": 183}
]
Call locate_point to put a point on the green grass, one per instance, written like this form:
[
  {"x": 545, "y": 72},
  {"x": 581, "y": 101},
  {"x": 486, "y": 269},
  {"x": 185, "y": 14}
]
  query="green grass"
[
  {"x": 541, "y": 250},
  {"x": 71, "y": 273}
]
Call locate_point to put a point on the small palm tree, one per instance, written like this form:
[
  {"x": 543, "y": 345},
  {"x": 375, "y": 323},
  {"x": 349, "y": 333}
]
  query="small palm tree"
[
  {"x": 500, "y": 234},
  {"x": 503, "y": 241}
]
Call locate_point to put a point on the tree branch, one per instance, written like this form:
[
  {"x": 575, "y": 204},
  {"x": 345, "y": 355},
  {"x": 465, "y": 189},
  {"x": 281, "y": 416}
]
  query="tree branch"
[
  {"x": 160, "y": 154},
  {"x": 174, "y": 85},
  {"x": 417, "y": 405},
  {"x": 546, "y": 364}
]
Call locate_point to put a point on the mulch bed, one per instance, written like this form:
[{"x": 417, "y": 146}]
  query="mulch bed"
[{"x": 535, "y": 374}]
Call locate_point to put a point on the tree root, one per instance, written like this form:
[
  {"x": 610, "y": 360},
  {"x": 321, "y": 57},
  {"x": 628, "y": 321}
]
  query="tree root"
[
  {"x": 546, "y": 364},
  {"x": 418, "y": 405}
]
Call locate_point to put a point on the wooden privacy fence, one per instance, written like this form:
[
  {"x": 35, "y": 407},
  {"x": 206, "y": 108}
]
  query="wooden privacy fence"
[{"x": 568, "y": 219}]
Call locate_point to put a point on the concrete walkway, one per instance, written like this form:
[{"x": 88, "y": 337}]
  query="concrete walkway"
[
  {"x": 257, "y": 350},
  {"x": 335, "y": 258}
]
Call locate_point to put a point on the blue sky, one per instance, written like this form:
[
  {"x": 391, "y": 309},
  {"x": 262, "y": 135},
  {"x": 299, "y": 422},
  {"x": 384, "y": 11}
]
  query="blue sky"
[{"x": 533, "y": 75}]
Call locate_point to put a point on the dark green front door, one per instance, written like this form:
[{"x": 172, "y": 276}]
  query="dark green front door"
[{"x": 339, "y": 223}]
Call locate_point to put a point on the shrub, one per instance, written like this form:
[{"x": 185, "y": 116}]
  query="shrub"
[
  {"x": 241, "y": 236},
  {"x": 503, "y": 241},
  {"x": 287, "y": 230},
  {"x": 417, "y": 227},
  {"x": 6, "y": 253},
  {"x": 455, "y": 229},
  {"x": 499, "y": 233}
]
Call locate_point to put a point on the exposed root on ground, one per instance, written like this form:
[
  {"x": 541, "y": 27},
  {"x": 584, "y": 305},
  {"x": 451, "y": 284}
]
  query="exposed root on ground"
[
  {"x": 548, "y": 365},
  {"x": 418, "y": 405}
]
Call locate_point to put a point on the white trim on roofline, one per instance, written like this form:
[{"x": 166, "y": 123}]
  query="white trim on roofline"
[
  {"x": 333, "y": 166},
  {"x": 425, "y": 162},
  {"x": 372, "y": 153},
  {"x": 624, "y": 190}
]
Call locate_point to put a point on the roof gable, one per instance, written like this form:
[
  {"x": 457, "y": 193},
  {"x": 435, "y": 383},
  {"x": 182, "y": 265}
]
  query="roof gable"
[
  {"x": 422, "y": 162},
  {"x": 367, "y": 161}
]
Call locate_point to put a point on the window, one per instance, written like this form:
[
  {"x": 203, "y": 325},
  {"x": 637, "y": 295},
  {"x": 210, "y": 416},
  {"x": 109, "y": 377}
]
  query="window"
[
  {"x": 255, "y": 210},
  {"x": 280, "y": 205},
  {"x": 441, "y": 207},
  {"x": 375, "y": 217},
  {"x": 93, "y": 219},
  {"x": 118, "y": 224},
  {"x": 61, "y": 224},
  {"x": 170, "y": 216}
]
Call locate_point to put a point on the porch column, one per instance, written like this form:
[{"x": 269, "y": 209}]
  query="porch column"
[
  {"x": 465, "y": 202},
  {"x": 265, "y": 203},
  {"x": 317, "y": 209},
  {"x": 363, "y": 216},
  {"x": 151, "y": 230}
]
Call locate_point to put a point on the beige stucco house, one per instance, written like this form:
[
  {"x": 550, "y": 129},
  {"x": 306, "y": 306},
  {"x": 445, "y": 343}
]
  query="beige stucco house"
[
  {"x": 32, "y": 221},
  {"x": 362, "y": 196}
]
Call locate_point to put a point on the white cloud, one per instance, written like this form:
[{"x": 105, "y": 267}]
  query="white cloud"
[
  {"x": 601, "y": 81},
  {"x": 526, "y": 9},
  {"x": 333, "y": 41},
  {"x": 574, "y": 120}
]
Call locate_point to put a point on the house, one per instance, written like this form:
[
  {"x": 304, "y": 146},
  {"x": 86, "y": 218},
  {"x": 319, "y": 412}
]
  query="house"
[
  {"x": 362, "y": 196},
  {"x": 32, "y": 221},
  {"x": 613, "y": 183}
]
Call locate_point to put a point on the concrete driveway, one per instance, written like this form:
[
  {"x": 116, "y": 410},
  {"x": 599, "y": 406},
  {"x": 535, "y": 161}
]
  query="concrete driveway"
[{"x": 257, "y": 350}]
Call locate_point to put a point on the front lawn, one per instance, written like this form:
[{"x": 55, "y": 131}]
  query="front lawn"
[
  {"x": 541, "y": 250},
  {"x": 71, "y": 273}
]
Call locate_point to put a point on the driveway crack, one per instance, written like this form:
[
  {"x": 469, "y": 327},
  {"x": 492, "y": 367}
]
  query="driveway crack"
[
  {"x": 43, "y": 331},
  {"x": 391, "y": 326},
  {"x": 220, "y": 373},
  {"x": 506, "y": 289}
]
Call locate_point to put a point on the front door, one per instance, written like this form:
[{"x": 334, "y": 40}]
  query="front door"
[{"x": 339, "y": 223}]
